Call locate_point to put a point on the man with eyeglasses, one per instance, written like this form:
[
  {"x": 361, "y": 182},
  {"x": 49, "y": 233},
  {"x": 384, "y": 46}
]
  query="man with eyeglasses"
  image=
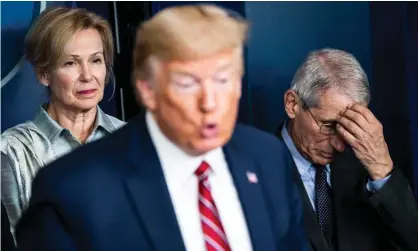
[{"x": 355, "y": 198}]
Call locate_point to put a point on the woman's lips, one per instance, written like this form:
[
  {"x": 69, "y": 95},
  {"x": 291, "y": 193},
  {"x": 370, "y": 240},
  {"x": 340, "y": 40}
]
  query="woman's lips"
[{"x": 88, "y": 92}]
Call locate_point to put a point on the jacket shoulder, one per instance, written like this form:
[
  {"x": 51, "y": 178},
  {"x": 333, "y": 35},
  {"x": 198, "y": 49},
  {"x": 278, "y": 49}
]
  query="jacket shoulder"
[
  {"x": 267, "y": 151},
  {"x": 257, "y": 140},
  {"x": 25, "y": 137}
]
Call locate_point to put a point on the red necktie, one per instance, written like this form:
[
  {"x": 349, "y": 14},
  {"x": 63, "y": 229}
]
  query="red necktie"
[{"x": 213, "y": 232}]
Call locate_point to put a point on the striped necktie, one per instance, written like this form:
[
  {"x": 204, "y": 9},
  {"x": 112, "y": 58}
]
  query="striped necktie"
[{"x": 213, "y": 231}]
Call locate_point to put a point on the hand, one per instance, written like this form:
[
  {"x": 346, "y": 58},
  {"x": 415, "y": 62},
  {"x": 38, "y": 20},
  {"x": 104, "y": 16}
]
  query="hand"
[{"x": 360, "y": 128}]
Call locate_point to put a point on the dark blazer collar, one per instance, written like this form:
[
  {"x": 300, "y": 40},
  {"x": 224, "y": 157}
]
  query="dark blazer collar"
[
  {"x": 279, "y": 130},
  {"x": 251, "y": 196},
  {"x": 148, "y": 191}
]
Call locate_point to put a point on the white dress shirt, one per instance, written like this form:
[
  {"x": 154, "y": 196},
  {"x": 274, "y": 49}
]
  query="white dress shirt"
[{"x": 178, "y": 168}]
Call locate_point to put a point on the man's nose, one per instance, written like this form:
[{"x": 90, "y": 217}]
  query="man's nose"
[
  {"x": 337, "y": 142},
  {"x": 208, "y": 101}
]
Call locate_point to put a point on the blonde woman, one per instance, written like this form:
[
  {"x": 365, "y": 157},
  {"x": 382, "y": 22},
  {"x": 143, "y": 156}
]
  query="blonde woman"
[{"x": 71, "y": 51}]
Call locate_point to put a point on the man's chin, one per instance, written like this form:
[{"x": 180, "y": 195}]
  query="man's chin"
[
  {"x": 321, "y": 160},
  {"x": 206, "y": 145}
]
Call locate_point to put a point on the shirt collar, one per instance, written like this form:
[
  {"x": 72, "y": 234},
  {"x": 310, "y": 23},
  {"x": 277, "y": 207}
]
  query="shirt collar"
[
  {"x": 103, "y": 121},
  {"x": 171, "y": 155},
  {"x": 47, "y": 125},
  {"x": 302, "y": 164},
  {"x": 53, "y": 130}
]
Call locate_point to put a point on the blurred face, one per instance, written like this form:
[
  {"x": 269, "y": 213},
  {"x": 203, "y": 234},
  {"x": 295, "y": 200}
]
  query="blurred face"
[
  {"x": 312, "y": 143},
  {"x": 195, "y": 103},
  {"x": 78, "y": 80}
]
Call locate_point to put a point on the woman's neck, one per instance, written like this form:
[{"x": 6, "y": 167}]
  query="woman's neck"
[{"x": 79, "y": 123}]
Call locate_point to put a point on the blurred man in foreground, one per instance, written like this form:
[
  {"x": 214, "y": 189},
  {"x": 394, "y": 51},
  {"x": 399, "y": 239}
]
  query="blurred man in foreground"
[
  {"x": 184, "y": 176},
  {"x": 355, "y": 197}
]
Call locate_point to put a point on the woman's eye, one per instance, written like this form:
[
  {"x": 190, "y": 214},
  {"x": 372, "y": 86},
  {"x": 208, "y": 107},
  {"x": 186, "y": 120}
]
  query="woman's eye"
[{"x": 69, "y": 63}]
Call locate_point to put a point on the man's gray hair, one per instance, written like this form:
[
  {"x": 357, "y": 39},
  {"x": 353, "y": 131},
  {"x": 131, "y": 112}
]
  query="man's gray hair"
[{"x": 330, "y": 69}]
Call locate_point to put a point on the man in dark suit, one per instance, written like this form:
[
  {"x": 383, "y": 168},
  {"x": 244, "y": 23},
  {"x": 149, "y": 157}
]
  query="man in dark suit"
[
  {"x": 182, "y": 177},
  {"x": 355, "y": 197}
]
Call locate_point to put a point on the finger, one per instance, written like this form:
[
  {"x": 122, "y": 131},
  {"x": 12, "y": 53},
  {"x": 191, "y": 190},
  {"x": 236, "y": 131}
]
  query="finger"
[
  {"x": 350, "y": 126},
  {"x": 347, "y": 136},
  {"x": 364, "y": 111},
  {"x": 356, "y": 117}
]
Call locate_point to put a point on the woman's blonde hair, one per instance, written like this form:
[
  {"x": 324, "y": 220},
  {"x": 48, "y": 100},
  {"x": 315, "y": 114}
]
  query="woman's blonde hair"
[
  {"x": 46, "y": 39},
  {"x": 186, "y": 33}
]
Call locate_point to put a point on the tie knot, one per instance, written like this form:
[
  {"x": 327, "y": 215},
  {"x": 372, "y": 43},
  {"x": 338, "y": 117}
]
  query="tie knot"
[
  {"x": 203, "y": 170},
  {"x": 318, "y": 167}
]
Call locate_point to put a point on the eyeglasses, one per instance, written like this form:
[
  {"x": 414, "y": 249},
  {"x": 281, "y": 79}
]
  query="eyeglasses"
[{"x": 325, "y": 128}]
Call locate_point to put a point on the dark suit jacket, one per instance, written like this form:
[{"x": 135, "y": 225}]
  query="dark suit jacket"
[
  {"x": 111, "y": 195},
  {"x": 387, "y": 220},
  {"x": 7, "y": 242}
]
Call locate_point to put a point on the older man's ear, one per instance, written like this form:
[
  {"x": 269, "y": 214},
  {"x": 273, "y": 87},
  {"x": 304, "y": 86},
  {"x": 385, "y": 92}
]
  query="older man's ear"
[{"x": 291, "y": 103}]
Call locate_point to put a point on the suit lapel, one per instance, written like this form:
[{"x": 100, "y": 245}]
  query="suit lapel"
[
  {"x": 243, "y": 171},
  {"x": 311, "y": 223},
  {"x": 313, "y": 229},
  {"x": 149, "y": 193}
]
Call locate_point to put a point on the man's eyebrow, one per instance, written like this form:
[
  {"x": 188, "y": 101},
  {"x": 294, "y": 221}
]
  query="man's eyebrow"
[
  {"x": 223, "y": 67},
  {"x": 181, "y": 73},
  {"x": 329, "y": 121},
  {"x": 184, "y": 74}
]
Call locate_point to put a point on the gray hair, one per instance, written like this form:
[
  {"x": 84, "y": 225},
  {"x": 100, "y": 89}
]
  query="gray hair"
[{"x": 330, "y": 68}]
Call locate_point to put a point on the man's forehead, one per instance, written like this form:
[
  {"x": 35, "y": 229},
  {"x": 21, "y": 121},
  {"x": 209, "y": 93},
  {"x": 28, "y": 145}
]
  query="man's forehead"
[
  {"x": 217, "y": 62},
  {"x": 331, "y": 103},
  {"x": 328, "y": 114}
]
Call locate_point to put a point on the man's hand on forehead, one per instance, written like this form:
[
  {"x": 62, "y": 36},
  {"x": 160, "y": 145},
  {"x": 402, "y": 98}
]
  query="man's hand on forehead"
[{"x": 361, "y": 129}]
